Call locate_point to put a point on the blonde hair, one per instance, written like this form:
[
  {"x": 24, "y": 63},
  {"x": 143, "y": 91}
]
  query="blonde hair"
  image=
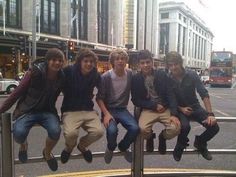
[{"x": 116, "y": 54}]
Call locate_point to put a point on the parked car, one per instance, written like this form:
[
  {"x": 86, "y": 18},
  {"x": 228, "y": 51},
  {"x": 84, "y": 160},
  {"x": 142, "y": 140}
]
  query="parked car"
[
  {"x": 205, "y": 79},
  {"x": 8, "y": 85}
]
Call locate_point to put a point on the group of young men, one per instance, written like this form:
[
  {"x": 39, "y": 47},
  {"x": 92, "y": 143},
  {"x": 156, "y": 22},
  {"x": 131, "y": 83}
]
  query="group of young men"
[{"x": 165, "y": 97}]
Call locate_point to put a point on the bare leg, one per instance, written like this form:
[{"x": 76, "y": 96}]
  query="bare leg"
[{"x": 50, "y": 144}]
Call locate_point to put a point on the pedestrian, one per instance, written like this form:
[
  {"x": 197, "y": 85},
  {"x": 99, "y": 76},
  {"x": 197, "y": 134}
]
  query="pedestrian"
[
  {"x": 36, "y": 96},
  {"x": 152, "y": 94},
  {"x": 112, "y": 98},
  {"x": 185, "y": 83},
  {"x": 77, "y": 106}
]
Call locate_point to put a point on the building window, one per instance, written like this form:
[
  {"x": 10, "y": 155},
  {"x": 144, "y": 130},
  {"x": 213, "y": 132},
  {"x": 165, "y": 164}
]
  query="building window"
[
  {"x": 165, "y": 15},
  {"x": 12, "y": 13},
  {"x": 50, "y": 16},
  {"x": 102, "y": 11},
  {"x": 82, "y": 6},
  {"x": 180, "y": 16},
  {"x": 179, "y": 43},
  {"x": 185, "y": 20},
  {"x": 184, "y": 35},
  {"x": 164, "y": 38}
]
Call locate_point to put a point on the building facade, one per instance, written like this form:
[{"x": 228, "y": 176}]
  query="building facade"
[
  {"x": 95, "y": 24},
  {"x": 183, "y": 31}
]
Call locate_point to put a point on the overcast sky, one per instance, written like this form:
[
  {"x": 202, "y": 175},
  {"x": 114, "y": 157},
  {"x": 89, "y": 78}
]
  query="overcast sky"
[{"x": 218, "y": 15}]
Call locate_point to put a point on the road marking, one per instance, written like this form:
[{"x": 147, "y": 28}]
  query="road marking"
[
  {"x": 104, "y": 173},
  {"x": 223, "y": 113}
]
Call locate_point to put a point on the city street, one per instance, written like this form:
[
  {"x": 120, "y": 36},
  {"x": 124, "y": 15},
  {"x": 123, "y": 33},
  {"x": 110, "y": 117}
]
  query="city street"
[{"x": 223, "y": 101}]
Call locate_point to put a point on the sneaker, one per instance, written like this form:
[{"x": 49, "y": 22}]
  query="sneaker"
[
  {"x": 65, "y": 156},
  {"x": 177, "y": 153},
  {"x": 108, "y": 156},
  {"x": 150, "y": 143},
  {"x": 87, "y": 154},
  {"x": 128, "y": 156},
  {"x": 52, "y": 162},
  {"x": 202, "y": 148},
  {"x": 162, "y": 144}
]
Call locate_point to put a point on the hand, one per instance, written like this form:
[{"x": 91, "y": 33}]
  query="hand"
[
  {"x": 210, "y": 121},
  {"x": 106, "y": 119},
  {"x": 186, "y": 110},
  {"x": 175, "y": 120},
  {"x": 160, "y": 108}
]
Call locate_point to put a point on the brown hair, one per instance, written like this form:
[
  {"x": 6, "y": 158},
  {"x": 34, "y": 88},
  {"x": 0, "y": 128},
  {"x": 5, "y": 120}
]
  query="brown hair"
[
  {"x": 173, "y": 56},
  {"x": 116, "y": 54},
  {"x": 54, "y": 53},
  {"x": 84, "y": 52},
  {"x": 144, "y": 54}
]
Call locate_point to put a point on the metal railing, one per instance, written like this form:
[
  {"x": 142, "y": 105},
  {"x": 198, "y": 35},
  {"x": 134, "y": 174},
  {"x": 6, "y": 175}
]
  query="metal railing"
[{"x": 137, "y": 167}]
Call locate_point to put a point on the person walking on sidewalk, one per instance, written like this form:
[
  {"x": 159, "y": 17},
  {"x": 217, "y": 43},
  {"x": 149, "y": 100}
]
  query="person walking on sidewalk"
[
  {"x": 37, "y": 95},
  {"x": 112, "y": 98},
  {"x": 77, "y": 106},
  {"x": 150, "y": 92}
]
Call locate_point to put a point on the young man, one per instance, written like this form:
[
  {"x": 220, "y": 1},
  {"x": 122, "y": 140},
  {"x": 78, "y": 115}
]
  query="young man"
[
  {"x": 151, "y": 93},
  {"x": 37, "y": 94},
  {"x": 113, "y": 98},
  {"x": 77, "y": 106},
  {"x": 185, "y": 83}
]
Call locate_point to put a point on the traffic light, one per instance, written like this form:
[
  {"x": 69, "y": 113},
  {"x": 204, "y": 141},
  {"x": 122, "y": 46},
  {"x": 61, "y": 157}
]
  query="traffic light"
[
  {"x": 63, "y": 46},
  {"x": 71, "y": 45},
  {"x": 22, "y": 45},
  {"x": 13, "y": 53}
]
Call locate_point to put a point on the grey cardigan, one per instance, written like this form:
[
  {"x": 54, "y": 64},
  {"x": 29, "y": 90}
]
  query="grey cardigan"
[{"x": 106, "y": 91}]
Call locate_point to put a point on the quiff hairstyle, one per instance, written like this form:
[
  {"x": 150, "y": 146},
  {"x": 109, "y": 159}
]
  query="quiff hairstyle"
[{"x": 116, "y": 54}]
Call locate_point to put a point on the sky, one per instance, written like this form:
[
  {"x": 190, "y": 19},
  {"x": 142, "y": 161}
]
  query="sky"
[{"x": 218, "y": 16}]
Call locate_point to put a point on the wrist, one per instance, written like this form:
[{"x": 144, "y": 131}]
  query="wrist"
[{"x": 210, "y": 114}]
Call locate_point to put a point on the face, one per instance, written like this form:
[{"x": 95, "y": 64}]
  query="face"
[
  {"x": 55, "y": 64},
  {"x": 146, "y": 66},
  {"x": 120, "y": 63},
  {"x": 87, "y": 64},
  {"x": 175, "y": 68}
]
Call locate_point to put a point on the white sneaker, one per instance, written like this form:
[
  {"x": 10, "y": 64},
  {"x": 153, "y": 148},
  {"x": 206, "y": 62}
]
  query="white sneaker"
[
  {"x": 128, "y": 156},
  {"x": 108, "y": 156}
]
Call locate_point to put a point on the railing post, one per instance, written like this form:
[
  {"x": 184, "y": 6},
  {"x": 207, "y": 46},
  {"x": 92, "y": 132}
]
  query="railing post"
[
  {"x": 137, "y": 163},
  {"x": 7, "y": 152}
]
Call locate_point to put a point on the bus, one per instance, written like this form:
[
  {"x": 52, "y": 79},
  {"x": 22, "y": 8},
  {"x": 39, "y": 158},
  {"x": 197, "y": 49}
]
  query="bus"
[{"x": 221, "y": 67}]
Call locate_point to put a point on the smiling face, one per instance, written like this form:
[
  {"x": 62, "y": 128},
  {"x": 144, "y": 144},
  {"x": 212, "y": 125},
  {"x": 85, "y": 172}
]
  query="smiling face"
[
  {"x": 175, "y": 68},
  {"x": 87, "y": 64},
  {"x": 55, "y": 64},
  {"x": 146, "y": 66}
]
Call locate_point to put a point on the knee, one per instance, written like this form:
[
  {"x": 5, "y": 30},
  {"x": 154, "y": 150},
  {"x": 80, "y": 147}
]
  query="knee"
[
  {"x": 185, "y": 128},
  {"x": 98, "y": 132},
  {"x": 54, "y": 133},
  {"x": 19, "y": 135},
  {"x": 73, "y": 134},
  {"x": 215, "y": 128},
  {"x": 134, "y": 129},
  {"x": 112, "y": 130}
]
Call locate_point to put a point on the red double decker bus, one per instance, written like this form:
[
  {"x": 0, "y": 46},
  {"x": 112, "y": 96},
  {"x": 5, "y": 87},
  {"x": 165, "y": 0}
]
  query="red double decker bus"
[{"x": 221, "y": 69}]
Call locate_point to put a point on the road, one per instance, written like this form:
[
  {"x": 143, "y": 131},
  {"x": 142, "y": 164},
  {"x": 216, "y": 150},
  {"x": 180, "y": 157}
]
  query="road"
[{"x": 223, "y": 101}]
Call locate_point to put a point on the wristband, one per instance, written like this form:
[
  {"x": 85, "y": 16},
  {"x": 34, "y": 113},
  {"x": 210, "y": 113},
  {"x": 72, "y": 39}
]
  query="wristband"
[{"x": 210, "y": 114}]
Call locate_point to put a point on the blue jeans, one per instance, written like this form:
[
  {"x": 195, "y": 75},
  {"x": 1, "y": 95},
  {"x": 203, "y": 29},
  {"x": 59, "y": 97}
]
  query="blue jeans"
[
  {"x": 199, "y": 115},
  {"x": 24, "y": 123},
  {"x": 123, "y": 116}
]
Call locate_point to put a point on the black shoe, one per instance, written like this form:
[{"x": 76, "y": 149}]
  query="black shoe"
[
  {"x": 87, "y": 154},
  {"x": 52, "y": 162},
  {"x": 202, "y": 148},
  {"x": 23, "y": 156},
  {"x": 162, "y": 144},
  {"x": 65, "y": 156},
  {"x": 177, "y": 154},
  {"x": 150, "y": 143}
]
